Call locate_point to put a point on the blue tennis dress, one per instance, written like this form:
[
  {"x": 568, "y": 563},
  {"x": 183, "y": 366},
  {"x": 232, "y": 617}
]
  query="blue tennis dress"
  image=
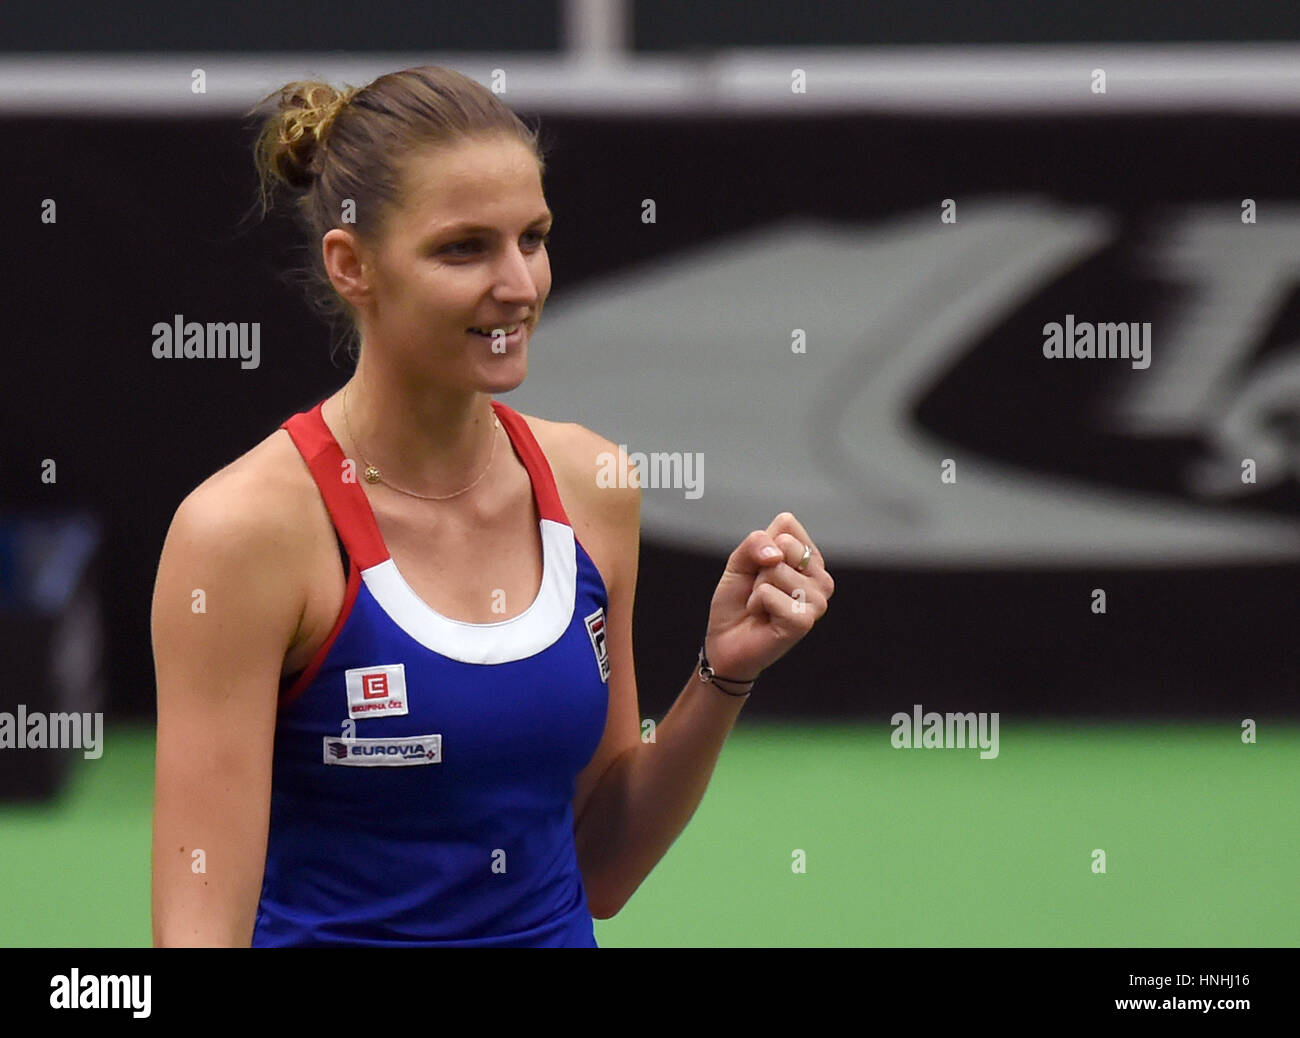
[{"x": 424, "y": 768}]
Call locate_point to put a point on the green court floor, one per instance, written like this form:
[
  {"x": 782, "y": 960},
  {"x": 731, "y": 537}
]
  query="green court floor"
[{"x": 902, "y": 847}]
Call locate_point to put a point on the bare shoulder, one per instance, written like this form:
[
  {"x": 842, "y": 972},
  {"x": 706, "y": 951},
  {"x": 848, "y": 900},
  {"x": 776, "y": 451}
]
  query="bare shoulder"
[
  {"x": 592, "y": 475},
  {"x": 245, "y": 536},
  {"x": 587, "y": 462},
  {"x": 263, "y": 495}
]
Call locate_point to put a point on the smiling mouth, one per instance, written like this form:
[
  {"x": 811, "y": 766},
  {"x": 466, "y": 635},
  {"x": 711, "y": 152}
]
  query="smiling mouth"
[{"x": 510, "y": 334}]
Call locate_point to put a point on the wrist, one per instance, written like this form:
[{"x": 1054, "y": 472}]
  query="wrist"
[
  {"x": 728, "y": 669},
  {"x": 711, "y": 673}
]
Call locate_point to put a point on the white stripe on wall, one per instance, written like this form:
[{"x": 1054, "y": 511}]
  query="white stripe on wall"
[{"x": 964, "y": 80}]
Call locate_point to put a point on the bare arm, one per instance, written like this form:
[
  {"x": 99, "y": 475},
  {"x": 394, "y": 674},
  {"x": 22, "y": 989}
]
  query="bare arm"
[{"x": 225, "y": 613}]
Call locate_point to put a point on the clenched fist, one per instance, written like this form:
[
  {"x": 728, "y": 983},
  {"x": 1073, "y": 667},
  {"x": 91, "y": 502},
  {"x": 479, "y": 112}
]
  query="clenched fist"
[{"x": 763, "y": 604}]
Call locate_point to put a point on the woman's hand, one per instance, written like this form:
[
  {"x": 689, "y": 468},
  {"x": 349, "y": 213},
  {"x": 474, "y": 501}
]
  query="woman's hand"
[{"x": 763, "y": 605}]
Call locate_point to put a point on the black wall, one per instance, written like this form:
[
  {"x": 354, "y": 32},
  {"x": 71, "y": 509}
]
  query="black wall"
[
  {"x": 147, "y": 218},
  {"x": 656, "y": 25}
]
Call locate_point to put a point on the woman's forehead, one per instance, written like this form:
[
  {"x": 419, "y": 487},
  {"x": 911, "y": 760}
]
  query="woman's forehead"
[{"x": 443, "y": 185}]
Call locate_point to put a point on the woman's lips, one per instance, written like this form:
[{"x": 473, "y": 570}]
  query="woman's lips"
[{"x": 513, "y": 339}]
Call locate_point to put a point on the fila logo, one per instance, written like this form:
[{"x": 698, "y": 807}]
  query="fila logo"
[
  {"x": 596, "y": 632},
  {"x": 370, "y": 753},
  {"x": 376, "y": 691}
]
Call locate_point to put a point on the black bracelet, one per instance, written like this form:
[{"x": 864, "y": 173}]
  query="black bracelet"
[{"x": 708, "y": 675}]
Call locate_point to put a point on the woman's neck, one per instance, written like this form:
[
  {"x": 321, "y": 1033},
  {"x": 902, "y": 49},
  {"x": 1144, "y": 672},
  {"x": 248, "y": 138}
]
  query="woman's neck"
[{"x": 425, "y": 440}]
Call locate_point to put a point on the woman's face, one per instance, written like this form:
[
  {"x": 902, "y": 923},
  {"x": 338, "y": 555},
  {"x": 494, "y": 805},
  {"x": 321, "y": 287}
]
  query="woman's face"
[{"x": 466, "y": 251}]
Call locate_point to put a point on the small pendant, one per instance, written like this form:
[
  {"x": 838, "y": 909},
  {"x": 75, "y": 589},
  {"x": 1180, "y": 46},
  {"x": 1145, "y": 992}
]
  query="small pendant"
[{"x": 372, "y": 474}]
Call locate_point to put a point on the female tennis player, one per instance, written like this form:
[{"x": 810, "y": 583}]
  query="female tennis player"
[{"x": 393, "y": 641}]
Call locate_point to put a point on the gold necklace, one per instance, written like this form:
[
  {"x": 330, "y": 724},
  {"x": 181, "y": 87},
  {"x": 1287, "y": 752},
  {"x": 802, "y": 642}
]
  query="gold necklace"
[{"x": 372, "y": 473}]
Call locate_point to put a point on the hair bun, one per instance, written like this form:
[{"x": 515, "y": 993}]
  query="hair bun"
[{"x": 307, "y": 111}]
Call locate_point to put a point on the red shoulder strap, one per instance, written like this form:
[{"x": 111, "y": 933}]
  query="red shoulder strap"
[
  {"x": 539, "y": 470},
  {"x": 347, "y": 503}
]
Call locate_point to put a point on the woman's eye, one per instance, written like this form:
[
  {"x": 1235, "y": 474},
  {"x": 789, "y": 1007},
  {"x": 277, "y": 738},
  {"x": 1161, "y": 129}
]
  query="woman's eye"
[{"x": 472, "y": 244}]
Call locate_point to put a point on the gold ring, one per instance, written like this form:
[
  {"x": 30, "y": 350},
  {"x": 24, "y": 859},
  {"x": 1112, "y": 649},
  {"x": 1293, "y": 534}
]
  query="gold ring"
[{"x": 807, "y": 554}]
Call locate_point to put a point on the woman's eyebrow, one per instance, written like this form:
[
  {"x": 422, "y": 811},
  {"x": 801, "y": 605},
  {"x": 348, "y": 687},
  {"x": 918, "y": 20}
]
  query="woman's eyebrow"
[{"x": 475, "y": 228}]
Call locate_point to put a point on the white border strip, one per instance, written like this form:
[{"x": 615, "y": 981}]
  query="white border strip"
[
  {"x": 965, "y": 80},
  {"x": 537, "y": 628}
]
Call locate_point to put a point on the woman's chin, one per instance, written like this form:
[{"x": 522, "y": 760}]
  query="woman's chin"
[{"x": 506, "y": 374}]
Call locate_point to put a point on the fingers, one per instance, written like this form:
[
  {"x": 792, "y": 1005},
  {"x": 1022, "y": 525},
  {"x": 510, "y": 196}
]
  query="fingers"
[
  {"x": 814, "y": 573},
  {"x": 756, "y": 552},
  {"x": 798, "y": 612},
  {"x": 781, "y": 547},
  {"x": 792, "y": 550},
  {"x": 801, "y": 588},
  {"x": 787, "y": 523}
]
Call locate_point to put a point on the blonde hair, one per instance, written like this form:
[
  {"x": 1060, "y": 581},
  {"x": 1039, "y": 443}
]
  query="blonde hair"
[{"x": 328, "y": 146}]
